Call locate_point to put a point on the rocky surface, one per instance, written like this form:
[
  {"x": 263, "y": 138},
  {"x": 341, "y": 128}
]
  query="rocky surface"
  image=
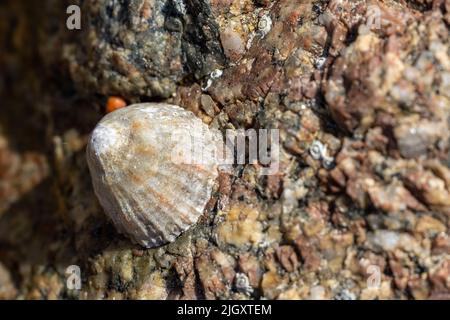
[{"x": 360, "y": 91}]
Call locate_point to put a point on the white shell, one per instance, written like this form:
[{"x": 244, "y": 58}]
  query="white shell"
[
  {"x": 153, "y": 167},
  {"x": 264, "y": 25}
]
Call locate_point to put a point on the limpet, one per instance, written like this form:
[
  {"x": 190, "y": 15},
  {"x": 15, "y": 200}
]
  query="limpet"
[{"x": 153, "y": 168}]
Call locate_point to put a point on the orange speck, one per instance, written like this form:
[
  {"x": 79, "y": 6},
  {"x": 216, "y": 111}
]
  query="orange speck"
[{"x": 115, "y": 103}]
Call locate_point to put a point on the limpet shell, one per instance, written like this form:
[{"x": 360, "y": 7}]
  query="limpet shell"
[{"x": 153, "y": 168}]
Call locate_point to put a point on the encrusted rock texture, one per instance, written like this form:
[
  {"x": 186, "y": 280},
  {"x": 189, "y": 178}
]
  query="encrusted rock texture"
[{"x": 369, "y": 80}]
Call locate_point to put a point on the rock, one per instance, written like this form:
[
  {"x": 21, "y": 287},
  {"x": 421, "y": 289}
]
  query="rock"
[
  {"x": 7, "y": 288},
  {"x": 185, "y": 41},
  {"x": 250, "y": 266},
  {"x": 272, "y": 284},
  {"x": 288, "y": 258},
  {"x": 241, "y": 228},
  {"x": 374, "y": 92},
  {"x": 153, "y": 288},
  {"x": 429, "y": 225}
]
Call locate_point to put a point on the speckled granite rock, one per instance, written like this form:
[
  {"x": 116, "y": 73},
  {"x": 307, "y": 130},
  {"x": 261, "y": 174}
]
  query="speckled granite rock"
[
  {"x": 322, "y": 72},
  {"x": 143, "y": 47}
]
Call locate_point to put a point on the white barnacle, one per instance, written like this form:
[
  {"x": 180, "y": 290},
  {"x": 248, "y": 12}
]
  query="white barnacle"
[
  {"x": 209, "y": 82},
  {"x": 318, "y": 151},
  {"x": 320, "y": 62},
  {"x": 216, "y": 74},
  {"x": 242, "y": 283},
  {"x": 327, "y": 162},
  {"x": 264, "y": 25}
]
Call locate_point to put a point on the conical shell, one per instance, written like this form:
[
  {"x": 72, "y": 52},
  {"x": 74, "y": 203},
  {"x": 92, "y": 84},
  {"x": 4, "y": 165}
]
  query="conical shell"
[{"x": 153, "y": 167}]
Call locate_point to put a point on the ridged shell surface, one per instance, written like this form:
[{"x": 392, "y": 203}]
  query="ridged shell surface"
[{"x": 147, "y": 171}]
